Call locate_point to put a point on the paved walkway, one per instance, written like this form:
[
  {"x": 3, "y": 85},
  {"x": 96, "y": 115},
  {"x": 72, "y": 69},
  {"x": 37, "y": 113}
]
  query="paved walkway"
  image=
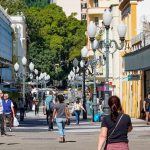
[{"x": 33, "y": 135}]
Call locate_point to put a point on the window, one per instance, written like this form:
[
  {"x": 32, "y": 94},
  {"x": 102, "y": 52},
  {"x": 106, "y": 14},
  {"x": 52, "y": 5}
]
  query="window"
[
  {"x": 96, "y": 20},
  {"x": 83, "y": 5},
  {"x": 95, "y": 3},
  {"x": 83, "y": 16}
]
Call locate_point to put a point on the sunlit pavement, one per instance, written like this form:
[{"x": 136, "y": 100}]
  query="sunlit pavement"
[{"x": 33, "y": 134}]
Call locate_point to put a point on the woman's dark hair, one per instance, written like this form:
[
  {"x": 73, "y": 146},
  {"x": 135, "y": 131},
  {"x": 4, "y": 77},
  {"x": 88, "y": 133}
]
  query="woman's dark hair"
[
  {"x": 115, "y": 106},
  {"x": 60, "y": 98},
  {"x": 78, "y": 100}
]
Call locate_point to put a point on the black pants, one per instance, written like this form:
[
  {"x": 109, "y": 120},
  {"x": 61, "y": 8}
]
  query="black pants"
[
  {"x": 36, "y": 110},
  {"x": 22, "y": 110},
  {"x": 49, "y": 117},
  {"x": 2, "y": 124}
]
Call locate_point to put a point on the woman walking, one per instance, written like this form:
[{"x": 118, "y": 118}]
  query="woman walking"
[
  {"x": 147, "y": 108},
  {"x": 115, "y": 127},
  {"x": 77, "y": 109},
  {"x": 61, "y": 114}
]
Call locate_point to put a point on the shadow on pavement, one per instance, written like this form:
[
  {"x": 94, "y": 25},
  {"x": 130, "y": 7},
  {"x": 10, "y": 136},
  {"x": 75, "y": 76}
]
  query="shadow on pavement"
[
  {"x": 12, "y": 143},
  {"x": 70, "y": 141}
]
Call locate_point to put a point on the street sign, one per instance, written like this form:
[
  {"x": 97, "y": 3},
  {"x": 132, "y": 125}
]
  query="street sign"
[{"x": 134, "y": 77}]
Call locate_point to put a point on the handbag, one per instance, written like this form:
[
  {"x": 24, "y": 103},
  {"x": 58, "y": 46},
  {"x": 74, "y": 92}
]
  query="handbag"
[
  {"x": 15, "y": 122},
  {"x": 105, "y": 143},
  {"x": 68, "y": 121}
]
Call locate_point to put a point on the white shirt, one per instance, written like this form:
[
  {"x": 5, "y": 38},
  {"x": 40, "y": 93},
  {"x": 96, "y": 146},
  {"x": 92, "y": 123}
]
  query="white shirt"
[{"x": 1, "y": 106}]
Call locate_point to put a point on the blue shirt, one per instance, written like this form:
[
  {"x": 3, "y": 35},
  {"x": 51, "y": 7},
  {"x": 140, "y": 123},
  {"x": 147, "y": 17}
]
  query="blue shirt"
[{"x": 48, "y": 100}]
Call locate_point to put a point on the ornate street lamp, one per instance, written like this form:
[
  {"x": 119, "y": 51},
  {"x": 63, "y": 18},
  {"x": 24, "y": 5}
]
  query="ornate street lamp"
[
  {"x": 107, "y": 43},
  {"x": 23, "y": 75},
  {"x": 84, "y": 52}
]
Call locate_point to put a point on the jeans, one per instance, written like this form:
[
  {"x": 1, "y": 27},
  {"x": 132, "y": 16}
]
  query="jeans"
[
  {"x": 2, "y": 124},
  {"x": 61, "y": 126},
  {"x": 77, "y": 115}
]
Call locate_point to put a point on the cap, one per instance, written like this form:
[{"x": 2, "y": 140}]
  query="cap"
[{"x": 1, "y": 91}]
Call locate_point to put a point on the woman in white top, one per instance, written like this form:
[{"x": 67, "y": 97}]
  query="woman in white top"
[{"x": 77, "y": 109}]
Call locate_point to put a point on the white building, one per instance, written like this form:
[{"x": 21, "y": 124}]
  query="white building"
[
  {"x": 20, "y": 44},
  {"x": 143, "y": 15},
  {"x": 72, "y": 6}
]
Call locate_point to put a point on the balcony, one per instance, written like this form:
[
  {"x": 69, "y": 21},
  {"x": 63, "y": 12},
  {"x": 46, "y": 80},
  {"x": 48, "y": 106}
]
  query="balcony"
[{"x": 97, "y": 10}]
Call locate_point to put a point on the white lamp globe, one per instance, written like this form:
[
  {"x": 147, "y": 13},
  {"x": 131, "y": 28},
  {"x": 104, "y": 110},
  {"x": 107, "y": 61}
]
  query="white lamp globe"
[
  {"x": 24, "y": 61},
  {"x": 44, "y": 74},
  {"x": 72, "y": 74},
  {"x": 16, "y": 67},
  {"x": 37, "y": 78},
  {"x": 31, "y": 76},
  {"x": 47, "y": 77},
  {"x": 81, "y": 63},
  {"x": 107, "y": 17},
  {"x": 91, "y": 29},
  {"x": 95, "y": 44},
  {"x": 84, "y": 52},
  {"x": 77, "y": 69},
  {"x": 41, "y": 75},
  {"x": 31, "y": 66},
  {"x": 122, "y": 28},
  {"x": 36, "y": 71}
]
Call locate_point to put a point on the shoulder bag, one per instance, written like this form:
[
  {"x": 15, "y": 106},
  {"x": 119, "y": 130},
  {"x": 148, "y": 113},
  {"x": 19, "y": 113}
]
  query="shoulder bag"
[{"x": 104, "y": 145}]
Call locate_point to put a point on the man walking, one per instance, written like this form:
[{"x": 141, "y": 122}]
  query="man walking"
[
  {"x": 8, "y": 110},
  {"x": 1, "y": 114},
  {"x": 49, "y": 110}
]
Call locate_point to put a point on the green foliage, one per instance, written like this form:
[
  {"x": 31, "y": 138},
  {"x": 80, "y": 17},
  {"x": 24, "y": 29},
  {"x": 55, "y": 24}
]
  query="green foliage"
[
  {"x": 54, "y": 39},
  {"x": 13, "y": 6},
  {"x": 36, "y": 3}
]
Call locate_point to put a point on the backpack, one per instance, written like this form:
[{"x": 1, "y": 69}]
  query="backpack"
[
  {"x": 51, "y": 106},
  {"x": 49, "y": 103}
]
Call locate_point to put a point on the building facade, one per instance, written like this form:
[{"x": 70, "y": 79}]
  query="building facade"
[
  {"x": 133, "y": 79},
  {"x": 20, "y": 42},
  {"x": 78, "y": 7},
  {"x": 95, "y": 10},
  {"x": 6, "y": 46}
]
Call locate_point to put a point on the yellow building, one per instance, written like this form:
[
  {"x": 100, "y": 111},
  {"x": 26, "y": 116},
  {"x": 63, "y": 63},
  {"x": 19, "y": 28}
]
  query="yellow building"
[{"x": 132, "y": 94}]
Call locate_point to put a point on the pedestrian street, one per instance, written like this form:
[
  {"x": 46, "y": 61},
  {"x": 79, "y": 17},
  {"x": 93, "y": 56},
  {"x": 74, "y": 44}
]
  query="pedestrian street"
[{"x": 33, "y": 134}]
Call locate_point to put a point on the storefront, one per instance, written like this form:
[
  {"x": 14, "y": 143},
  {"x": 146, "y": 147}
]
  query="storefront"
[{"x": 137, "y": 63}]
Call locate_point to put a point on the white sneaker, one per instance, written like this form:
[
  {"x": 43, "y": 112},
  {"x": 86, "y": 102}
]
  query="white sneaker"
[{"x": 10, "y": 130}]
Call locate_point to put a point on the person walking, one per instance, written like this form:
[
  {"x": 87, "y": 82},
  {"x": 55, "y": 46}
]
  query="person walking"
[
  {"x": 147, "y": 108},
  {"x": 77, "y": 109},
  {"x": 8, "y": 110},
  {"x": 36, "y": 106},
  {"x": 1, "y": 114},
  {"x": 49, "y": 110},
  {"x": 115, "y": 127},
  {"x": 61, "y": 113},
  {"x": 22, "y": 109}
]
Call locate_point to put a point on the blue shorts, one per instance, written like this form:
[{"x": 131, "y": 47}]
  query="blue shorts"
[{"x": 148, "y": 110}]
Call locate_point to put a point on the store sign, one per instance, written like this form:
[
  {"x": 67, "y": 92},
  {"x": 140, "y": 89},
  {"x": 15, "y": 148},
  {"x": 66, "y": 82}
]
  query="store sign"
[{"x": 134, "y": 77}]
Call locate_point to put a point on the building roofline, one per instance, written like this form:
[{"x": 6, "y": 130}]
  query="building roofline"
[{"x": 5, "y": 14}]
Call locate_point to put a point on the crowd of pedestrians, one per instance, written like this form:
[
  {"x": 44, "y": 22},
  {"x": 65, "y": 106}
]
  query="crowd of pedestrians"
[{"x": 114, "y": 127}]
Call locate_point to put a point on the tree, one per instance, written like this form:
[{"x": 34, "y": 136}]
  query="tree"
[
  {"x": 13, "y": 6},
  {"x": 55, "y": 40}
]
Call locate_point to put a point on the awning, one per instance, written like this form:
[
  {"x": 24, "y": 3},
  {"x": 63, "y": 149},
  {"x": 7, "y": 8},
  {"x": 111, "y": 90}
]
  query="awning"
[{"x": 138, "y": 60}]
